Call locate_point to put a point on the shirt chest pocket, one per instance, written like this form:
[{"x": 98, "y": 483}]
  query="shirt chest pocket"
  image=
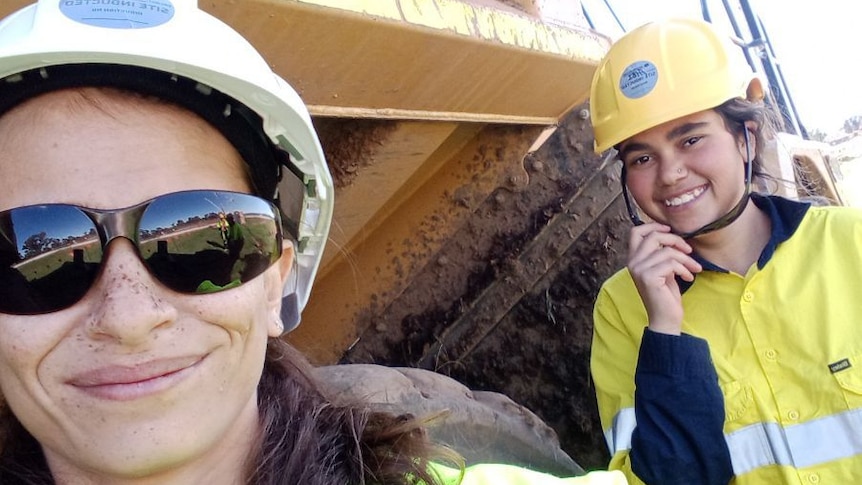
[
  {"x": 848, "y": 375},
  {"x": 738, "y": 402}
]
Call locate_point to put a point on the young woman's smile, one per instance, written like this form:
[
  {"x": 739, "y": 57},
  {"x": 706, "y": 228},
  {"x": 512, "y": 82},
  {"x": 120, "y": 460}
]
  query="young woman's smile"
[
  {"x": 685, "y": 198},
  {"x": 687, "y": 172}
]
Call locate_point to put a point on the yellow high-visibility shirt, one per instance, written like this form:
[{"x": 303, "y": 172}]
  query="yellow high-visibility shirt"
[
  {"x": 493, "y": 474},
  {"x": 786, "y": 343}
]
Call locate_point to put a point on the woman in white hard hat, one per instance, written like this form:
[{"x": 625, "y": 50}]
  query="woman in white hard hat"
[
  {"x": 726, "y": 350},
  {"x": 136, "y": 344}
]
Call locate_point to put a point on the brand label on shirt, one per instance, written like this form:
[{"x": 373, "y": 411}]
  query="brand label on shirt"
[{"x": 839, "y": 366}]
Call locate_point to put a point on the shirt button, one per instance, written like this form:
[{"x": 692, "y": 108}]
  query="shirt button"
[
  {"x": 793, "y": 415},
  {"x": 770, "y": 354},
  {"x": 814, "y": 478},
  {"x": 748, "y": 296}
]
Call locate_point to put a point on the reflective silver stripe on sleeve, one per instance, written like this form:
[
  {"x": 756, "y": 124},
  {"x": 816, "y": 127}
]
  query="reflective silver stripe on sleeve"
[
  {"x": 619, "y": 437},
  {"x": 800, "y": 445}
]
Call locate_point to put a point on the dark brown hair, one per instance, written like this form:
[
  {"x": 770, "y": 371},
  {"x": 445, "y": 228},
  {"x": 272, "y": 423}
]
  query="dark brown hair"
[
  {"x": 307, "y": 439},
  {"x": 735, "y": 113}
]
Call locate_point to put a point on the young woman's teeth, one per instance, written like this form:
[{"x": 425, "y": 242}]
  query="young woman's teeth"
[{"x": 684, "y": 198}]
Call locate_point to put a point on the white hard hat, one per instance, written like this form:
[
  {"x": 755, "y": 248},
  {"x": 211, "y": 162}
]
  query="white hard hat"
[{"x": 173, "y": 49}]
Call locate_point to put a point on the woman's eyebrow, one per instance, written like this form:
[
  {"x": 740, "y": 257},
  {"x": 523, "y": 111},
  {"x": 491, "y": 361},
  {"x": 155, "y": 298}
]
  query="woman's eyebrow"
[
  {"x": 631, "y": 147},
  {"x": 678, "y": 131},
  {"x": 685, "y": 128}
]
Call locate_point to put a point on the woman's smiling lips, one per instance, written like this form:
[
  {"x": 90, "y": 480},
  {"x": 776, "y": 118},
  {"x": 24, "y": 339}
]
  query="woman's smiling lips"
[
  {"x": 123, "y": 383},
  {"x": 685, "y": 197}
]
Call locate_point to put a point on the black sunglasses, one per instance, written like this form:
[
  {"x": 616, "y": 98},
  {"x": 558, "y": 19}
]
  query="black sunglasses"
[{"x": 199, "y": 241}]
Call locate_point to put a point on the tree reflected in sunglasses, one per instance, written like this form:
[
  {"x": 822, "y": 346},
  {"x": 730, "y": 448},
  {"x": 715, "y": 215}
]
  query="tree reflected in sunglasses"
[{"x": 199, "y": 241}]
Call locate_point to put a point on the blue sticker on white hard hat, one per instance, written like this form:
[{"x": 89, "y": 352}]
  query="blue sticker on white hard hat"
[
  {"x": 638, "y": 79},
  {"x": 118, "y": 14}
]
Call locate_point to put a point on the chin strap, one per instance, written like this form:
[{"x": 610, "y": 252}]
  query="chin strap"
[
  {"x": 290, "y": 315},
  {"x": 633, "y": 214},
  {"x": 719, "y": 223}
]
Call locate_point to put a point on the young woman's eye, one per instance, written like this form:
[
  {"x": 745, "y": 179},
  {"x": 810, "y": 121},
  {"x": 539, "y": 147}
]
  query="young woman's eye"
[
  {"x": 691, "y": 140},
  {"x": 639, "y": 160}
]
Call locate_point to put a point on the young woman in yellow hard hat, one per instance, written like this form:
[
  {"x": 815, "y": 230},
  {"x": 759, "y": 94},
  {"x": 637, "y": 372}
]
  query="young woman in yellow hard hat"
[{"x": 728, "y": 349}]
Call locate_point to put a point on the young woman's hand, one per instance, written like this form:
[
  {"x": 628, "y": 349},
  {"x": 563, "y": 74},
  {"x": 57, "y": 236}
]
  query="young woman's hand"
[{"x": 655, "y": 258}]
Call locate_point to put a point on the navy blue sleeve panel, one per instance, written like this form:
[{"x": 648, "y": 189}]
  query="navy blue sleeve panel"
[{"x": 679, "y": 409}]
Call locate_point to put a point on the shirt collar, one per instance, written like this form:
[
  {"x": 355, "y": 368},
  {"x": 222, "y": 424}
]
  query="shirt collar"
[{"x": 785, "y": 216}]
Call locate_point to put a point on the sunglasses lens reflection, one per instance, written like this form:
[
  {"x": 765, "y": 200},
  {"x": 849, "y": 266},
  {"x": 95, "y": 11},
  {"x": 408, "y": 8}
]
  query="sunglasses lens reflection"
[
  {"x": 205, "y": 241},
  {"x": 49, "y": 257},
  {"x": 192, "y": 242}
]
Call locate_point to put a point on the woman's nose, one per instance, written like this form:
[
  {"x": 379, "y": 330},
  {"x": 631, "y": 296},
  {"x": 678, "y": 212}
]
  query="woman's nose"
[
  {"x": 672, "y": 170},
  {"x": 127, "y": 303}
]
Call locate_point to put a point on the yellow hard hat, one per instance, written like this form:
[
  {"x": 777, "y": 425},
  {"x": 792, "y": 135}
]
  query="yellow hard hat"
[{"x": 662, "y": 71}]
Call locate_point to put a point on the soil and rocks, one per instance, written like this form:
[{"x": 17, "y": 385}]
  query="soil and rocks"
[{"x": 506, "y": 304}]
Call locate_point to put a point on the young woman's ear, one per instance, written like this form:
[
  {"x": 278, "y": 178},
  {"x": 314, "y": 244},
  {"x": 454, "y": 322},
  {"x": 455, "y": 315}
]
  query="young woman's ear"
[{"x": 751, "y": 129}]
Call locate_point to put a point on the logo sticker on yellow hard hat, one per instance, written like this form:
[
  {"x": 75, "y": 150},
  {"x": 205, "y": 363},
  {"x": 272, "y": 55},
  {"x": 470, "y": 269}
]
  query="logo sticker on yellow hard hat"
[
  {"x": 638, "y": 79},
  {"x": 118, "y": 14}
]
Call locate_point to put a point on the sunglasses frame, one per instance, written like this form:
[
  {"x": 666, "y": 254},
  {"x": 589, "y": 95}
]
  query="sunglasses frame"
[{"x": 111, "y": 224}]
